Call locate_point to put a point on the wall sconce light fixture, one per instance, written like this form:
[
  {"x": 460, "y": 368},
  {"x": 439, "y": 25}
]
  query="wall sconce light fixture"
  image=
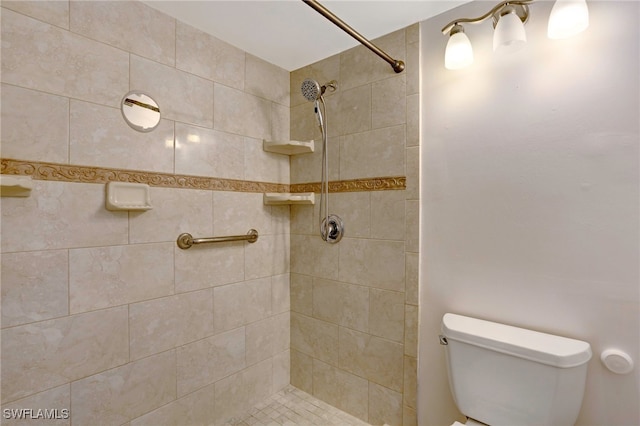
[{"x": 568, "y": 17}]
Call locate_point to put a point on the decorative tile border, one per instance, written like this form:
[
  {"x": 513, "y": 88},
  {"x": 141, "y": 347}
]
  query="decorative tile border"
[
  {"x": 71, "y": 173},
  {"x": 355, "y": 185}
]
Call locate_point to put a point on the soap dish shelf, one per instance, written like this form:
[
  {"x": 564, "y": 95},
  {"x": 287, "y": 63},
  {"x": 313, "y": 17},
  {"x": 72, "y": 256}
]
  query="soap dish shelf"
[
  {"x": 288, "y": 147},
  {"x": 283, "y": 198},
  {"x": 15, "y": 186},
  {"x": 128, "y": 196}
]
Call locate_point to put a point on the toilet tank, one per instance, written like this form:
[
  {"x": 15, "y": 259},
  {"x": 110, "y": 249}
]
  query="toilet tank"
[{"x": 505, "y": 375}]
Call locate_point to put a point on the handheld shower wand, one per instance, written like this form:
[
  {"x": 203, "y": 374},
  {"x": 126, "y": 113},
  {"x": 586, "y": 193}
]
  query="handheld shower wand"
[{"x": 331, "y": 226}]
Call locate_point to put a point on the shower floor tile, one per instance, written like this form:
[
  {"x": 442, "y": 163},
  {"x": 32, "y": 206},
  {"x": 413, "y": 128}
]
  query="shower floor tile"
[{"x": 293, "y": 407}]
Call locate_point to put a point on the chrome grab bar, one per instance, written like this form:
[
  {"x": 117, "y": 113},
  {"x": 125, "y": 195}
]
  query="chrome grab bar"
[{"x": 185, "y": 240}]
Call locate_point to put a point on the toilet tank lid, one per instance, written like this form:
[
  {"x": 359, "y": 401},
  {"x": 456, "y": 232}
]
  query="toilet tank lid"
[{"x": 544, "y": 348}]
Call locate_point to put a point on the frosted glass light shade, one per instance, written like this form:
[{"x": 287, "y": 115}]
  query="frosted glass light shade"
[
  {"x": 459, "y": 53},
  {"x": 509, "y": 34},
  {"x": 568, "y": 18}
]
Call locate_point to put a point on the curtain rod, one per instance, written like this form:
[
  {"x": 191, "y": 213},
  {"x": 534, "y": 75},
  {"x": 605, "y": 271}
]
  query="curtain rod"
[{"x": 396, "y": 64}]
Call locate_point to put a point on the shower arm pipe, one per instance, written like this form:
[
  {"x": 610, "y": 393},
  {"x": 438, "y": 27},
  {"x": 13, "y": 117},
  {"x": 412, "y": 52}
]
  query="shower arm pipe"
[
  {"x": 396, "y": 64},
  {"x": 447, "y": 28}
]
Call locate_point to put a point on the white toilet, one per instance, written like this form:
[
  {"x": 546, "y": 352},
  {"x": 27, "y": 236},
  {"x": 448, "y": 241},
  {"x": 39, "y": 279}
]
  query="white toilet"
[{"x": 508, "y": 376}]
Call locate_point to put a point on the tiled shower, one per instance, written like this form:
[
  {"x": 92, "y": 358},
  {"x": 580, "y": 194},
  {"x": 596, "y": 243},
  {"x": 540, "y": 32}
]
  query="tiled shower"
[{"x": 104, "y": 316}]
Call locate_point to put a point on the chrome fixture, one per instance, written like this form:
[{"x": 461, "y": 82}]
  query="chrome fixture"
[
  {"x": 185, "y": 240},
  {"x": 331, "y": 226},
  {"x": 397, "y": 65},
  {"x": 568, "y": 18}
]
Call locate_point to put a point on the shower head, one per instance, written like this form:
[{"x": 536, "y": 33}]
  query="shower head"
[{"x": 312, "y": 91}]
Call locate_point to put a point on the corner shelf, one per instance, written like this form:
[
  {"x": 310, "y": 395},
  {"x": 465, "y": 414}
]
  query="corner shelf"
[
  {"x": 15, "y": 186},
  {"x": 281, "y": 198},
  {"x": 288, "y": 147}
]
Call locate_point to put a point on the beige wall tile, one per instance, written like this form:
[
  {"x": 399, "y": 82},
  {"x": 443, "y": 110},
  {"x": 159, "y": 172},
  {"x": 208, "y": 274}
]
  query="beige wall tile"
[
  {"x": 312, "y": 256},
  {"x": 373, "y": 154},
  {"x": 378, "y": 360},
  {"x": 280, "y": 294},
  {"x": 308, "y": 167},
  {"x": 355, "y": 110},
  {"x": 410, "y": 382},
  {"x": 412, "y": 265},
  {"x": 413, "y": 226},
  {"x": 314, "y": 337},
  {"x": 322, "y": 71},
  {"x": 409, "y": 417},
  {"x": 359, "y": 66},
  {"x": 165, "y": 323},
  {"x": 266, "y": 80},
  {"x": 27, "y": 130},
  {"x": 262, "y": 166},
  {"x": 174, "y": 211},
  {"x": 413, "y": 173},
  {"x": 413, "y": 120},
  {"x": 341, "y": 304},
  {"x": 181, "y": 96},
  {"x": 304, "y": 124},
  {"x": 124, "y": 393},
  {"x": 53, "y": 399},
  {"x": 267, "y": 256},
  {"x": 52, "y": 12},
  {"x": 50, "y": 353},
  {"x": 411, "y": 330},
  {"x": 130, "y": 25},
  {"x": 267, "y": 337},
  {"x": 385, "y": 405},
  {"x": 234, "y": 213},
  {"x": 206, "y": 361},
  {"x": 355, "y": 210},
  {"x": 193, "y": 409},
  {"x": 387, "y": 214},
  {"x": 341, "y": 389},
  {"x": 280, "y": 119},
  {"x": 389, "y": 102},
  {"x": 60, "y": 215},
  {"x": 302, "y": 371},
  {"x": 207, "y": 56},
  {"x": 206, "y": 152},
  {"x": 374, "y": 263},
  {"x": 84, "y": 69},
  {"x": 281, "y": 370},
  {"x": 235, "y": 305},
  {"x": 412, "y": 62},
  {"x": 280, "y": 221},
  {"x": 386, "y": 314},
  {"x": 302, "y": 219},
  {"x": 302, "y": 294},
  {"x": 99, "y": 136},
  {"x": 241, "y": 390},
  {"x": 205, "y": 266},
  {"x": 109, "y": 276},
  {"x": 35, "y": 286},
  {"x": 241, "y": 113}
]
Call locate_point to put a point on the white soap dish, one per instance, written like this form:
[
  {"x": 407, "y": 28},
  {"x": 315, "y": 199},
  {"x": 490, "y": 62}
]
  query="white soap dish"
[{"x": 128, "y": 196}]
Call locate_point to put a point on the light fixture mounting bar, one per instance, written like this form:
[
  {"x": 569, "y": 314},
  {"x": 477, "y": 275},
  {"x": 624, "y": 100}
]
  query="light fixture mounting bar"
[{"x": 447, "y": 28}]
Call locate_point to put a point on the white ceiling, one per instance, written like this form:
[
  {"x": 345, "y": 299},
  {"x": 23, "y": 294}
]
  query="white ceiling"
[{"x": 289, "y": 33}]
